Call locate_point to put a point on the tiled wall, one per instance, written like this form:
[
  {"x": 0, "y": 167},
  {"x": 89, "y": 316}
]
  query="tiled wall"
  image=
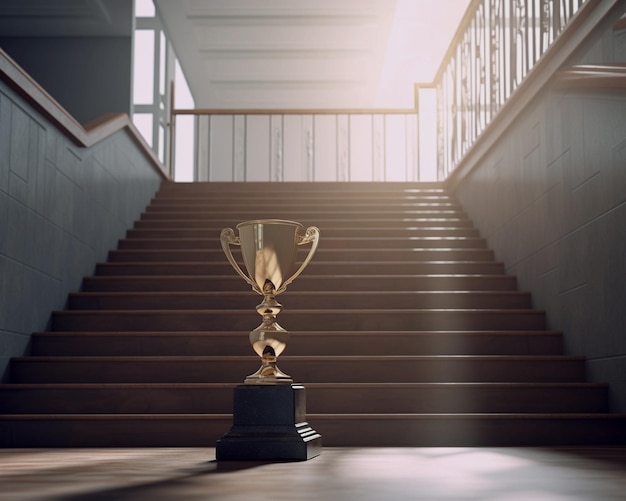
[
  {"x": 62, "y": 207},
  {"x": 551, "y": 200}
]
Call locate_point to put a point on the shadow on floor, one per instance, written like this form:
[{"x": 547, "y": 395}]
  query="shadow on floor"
[{"x": 155, "y": 489}]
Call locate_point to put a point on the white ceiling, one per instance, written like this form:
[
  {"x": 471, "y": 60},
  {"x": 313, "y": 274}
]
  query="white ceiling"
[
  {"x": 274, "y": 53},
  {"x": 309, "y": 53}
]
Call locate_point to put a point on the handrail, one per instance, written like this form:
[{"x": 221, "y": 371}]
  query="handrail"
[
  {"x": 502, "y": 55},
  {"x": 480, "y": 136},
  {"x": 592, "y": 77},
  {"x": 82, "y": 135},
  {"x": 295, "y": 111},
  {"x": 456, "y": 39},
  {"x": 202, "y": 161}
]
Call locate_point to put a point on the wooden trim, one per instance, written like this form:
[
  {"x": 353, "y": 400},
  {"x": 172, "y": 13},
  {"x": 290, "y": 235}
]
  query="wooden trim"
[
  {"x": 592, "y": 77},
  {"x": 85, "y": 136},
  {"x": 304, "y": 111},
  {"x": 581, "y": 26}
]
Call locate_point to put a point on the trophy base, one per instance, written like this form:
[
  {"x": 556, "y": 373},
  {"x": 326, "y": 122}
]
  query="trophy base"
[
  {"x": 269, "y": 424},
  {"x": 268, "y": 373}
]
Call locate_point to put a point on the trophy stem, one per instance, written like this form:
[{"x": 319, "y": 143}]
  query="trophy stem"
[{"x": 269, "y": 340}]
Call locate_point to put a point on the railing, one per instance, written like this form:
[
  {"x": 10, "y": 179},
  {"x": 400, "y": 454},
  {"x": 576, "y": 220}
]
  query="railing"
[
  {"x": 495, "y": 48},
  {"x": 85, "y": 135},
  {"x": 303, "y": 145}
]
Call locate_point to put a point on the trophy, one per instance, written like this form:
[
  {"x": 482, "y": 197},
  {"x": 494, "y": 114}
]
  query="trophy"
[{"x": 269, "y": 248}]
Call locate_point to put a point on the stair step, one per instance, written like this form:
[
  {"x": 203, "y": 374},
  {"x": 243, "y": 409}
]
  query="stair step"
[
  {"x": 441, "y": 219},
  {"x": 337, "y": 430},
  {"x": 469, "y": 430},
  {"x": 343, "y": 189},
  {"x": 217, "y": 254},
  {"x": 307, "y": 198},
  {"x": 294, "y": 188},
  {"x": 322, "y": 398},
  {"x": 300, "y": 299},
  {"x": 313, "y": 268},
  {"x": 233, "y": 282},
  {"x": 203, "y": 232},
  {"x": 373, "y": 319},
  {"x": 433, "y": 215},
  {"x": 298, "y": 206},
  {"x": 139, "y": 343},
  {"x": 327, "y": 243},
  {"x": 307, "y": 369},
  {"x": 312, "y": 198}
]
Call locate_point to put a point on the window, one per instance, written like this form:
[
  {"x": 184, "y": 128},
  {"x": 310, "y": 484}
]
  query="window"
[{"x": 154, "y": 67}]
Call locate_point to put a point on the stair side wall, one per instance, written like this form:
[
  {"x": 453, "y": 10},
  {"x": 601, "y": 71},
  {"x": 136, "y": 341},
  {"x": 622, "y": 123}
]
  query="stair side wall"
[
  {"x": 550, "y": 198},
  {"x": 62, "y": 207}
]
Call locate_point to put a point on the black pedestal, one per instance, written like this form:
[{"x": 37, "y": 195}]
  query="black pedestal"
[{"x": 269, "y": 423}]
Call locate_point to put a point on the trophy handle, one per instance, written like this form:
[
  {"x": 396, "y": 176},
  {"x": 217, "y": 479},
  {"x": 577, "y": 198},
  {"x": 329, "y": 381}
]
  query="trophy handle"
[
  {"x": 312, "y": 235},
  {"x": 227, "y": 237}
]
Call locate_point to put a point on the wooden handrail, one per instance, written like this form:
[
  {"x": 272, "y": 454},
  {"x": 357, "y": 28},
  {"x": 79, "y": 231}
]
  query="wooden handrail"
[
  {"x": 304, "y": 111},
  {"x": 86, "y": 136},
  {"x": 458, "y": 35},
  {"x": 590, "y": 77}
]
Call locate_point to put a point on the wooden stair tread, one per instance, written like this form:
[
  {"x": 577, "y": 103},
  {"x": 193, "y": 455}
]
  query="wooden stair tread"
[
  {"x": 295, "y": 358},
  {"x": 335, "y": 386},
  {"x": 300, "y": 293},
  {"x": 451, "y": 221},
  {"x": 329, "y": 398},
  {"x": 309, "y": 282},
  {"x": 124, "y": 300},
  {"x": 408, "y": 415},
  {"x": 331, "y": 333}
]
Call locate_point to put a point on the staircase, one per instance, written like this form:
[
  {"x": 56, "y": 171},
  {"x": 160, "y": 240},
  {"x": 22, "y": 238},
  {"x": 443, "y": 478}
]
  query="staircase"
[{"x": 405, "y": 332}]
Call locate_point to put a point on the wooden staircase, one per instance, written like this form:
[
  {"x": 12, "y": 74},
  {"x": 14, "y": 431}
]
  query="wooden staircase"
[{"x": 405, "y": 332}]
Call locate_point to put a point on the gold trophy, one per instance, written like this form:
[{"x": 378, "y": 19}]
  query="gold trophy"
[{"x": 269, "y": 248}]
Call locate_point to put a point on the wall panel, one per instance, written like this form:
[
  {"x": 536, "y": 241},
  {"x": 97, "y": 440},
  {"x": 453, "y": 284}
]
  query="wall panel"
[
  {"x": 221, "y": 148},
  {"x": 361, "y": 148},
  {"x": 325, "y": 149},
  {"x": 258, "y": 146}
]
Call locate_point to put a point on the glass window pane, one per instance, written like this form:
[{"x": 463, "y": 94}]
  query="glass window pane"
[
  {"x": 144, "y": 8},
  {"x": 143, "y": 122},
  {"x": 143, "y": 78},
  {"x": 162, "y": 144},
  {"x": 162, "y": 47},
  {"x": 183, "y": 98},
  {"x": 184, "y": 148}
]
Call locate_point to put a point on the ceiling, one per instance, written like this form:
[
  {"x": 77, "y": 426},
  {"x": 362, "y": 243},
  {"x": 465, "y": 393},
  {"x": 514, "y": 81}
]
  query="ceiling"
[
  {"x": 309, "y": 54},
  {"x": 274, "y": 53}
]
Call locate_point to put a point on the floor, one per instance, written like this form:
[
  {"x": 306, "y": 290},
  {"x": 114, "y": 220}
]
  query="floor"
[{"x": 582, "y": 473}]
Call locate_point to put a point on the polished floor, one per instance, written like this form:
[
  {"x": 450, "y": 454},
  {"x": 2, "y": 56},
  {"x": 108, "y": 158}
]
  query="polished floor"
[{"x": 589, "y": 473}]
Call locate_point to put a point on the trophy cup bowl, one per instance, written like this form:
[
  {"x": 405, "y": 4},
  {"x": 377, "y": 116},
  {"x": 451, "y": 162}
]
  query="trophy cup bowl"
[{"x": 269, "y": 248}]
